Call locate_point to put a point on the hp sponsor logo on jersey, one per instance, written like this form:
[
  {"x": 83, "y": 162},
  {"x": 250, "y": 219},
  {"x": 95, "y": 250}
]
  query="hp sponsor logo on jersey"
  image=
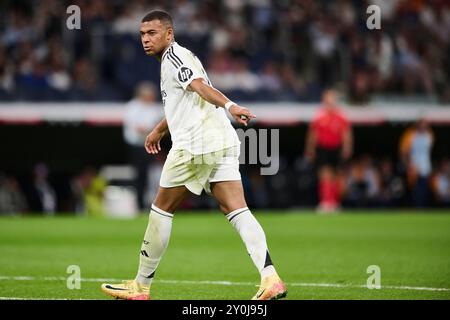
[{"x": 184, "y": 74}]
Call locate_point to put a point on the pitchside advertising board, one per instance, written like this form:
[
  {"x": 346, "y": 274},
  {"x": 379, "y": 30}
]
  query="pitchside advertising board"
[{"x": 267, "y": 113}]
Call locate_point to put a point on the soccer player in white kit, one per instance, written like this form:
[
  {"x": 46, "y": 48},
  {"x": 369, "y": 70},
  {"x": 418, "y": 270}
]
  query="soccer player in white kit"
[{"x": 204, "y": 156}]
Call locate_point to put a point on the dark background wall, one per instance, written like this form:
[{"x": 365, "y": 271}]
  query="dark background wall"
[{"x": 68, "y": 148}]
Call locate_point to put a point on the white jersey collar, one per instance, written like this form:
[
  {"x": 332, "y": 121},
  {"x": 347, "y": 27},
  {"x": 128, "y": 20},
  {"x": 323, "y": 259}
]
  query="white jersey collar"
[{"x": 167, "y": 50}]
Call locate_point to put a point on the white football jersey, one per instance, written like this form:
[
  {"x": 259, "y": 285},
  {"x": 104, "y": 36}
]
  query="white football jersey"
[{"x": 195, "y": 125}]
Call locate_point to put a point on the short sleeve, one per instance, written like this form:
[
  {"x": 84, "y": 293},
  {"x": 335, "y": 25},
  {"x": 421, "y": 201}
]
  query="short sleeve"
[{"x": 188, "y": 68}]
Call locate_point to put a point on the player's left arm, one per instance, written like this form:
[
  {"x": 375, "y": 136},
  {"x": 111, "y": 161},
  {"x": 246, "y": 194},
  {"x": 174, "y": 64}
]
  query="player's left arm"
[{"x": 212, "y": 95}]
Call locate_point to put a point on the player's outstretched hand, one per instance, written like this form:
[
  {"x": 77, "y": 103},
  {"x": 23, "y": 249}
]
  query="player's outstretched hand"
[
  {"x": 152, "y": 142},
  {"x": 241, "y": 115}
]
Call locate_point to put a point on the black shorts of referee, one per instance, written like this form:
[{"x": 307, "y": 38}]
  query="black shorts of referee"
[{"x": 330, "y": 157}]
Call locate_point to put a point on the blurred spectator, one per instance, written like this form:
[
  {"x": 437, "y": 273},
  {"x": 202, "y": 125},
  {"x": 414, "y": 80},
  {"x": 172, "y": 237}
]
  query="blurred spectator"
[
  {"x": 292, "y": 86},
  {"x": 415, "y": 151},
  {"x": 142, "y": 115},
  {"x": 414, "y": 70},
  {"x": 89, "y": 188},
  {"x": 6, "y": 77},
  {"x": 58, "y": 78},
  {"x": 359, "y": 86},
  {"x": 381, "y": 57},
  {"x": 12, "y": 200},
  {"x": 393, "y": 189},
  {"x": 233, "y": 76},
  {"x": 87, "y": 84},
  {"x": 245, "y": 82},
  {"x": 372, "y": 177},
  {"x": 328, "y": 142},
  {"x": 441, "y": 183},
  {"x": 270, "y": 78},
  {"x": 362, "y": 185},
  {"x": 41, "y": 195},
  {"x": 32, "y": 75},
  {"x": 129, "y": 17},
  {"x": 355, "y": 191},
  {"x": 324, "y": 43},
  {"x": 220, "y": 70},
  {"x": 18, "y": 28}
]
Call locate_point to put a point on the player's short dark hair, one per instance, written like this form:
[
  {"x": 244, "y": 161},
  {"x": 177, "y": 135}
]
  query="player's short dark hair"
[{"x": 160, "y": 15}]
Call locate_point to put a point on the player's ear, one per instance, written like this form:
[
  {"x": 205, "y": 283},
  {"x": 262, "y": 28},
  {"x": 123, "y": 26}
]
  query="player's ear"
[{"x": 169, "y": 33}]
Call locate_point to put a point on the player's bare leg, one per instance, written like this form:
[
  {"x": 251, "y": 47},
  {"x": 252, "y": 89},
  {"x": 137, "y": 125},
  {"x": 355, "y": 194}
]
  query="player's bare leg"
[
  {"x": 153, "y": 246},
  {"x": 168, "y": 199},
  {"x": 230, "y": 195}
]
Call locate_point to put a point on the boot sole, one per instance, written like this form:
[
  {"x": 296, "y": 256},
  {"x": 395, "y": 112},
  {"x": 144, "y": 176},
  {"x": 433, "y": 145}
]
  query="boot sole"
[{"x": 279, "y": 296}]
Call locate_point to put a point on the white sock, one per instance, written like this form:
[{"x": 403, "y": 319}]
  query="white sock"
[
  {"x": 155, "y": 243},
  {"x": 254, "y": 239}
]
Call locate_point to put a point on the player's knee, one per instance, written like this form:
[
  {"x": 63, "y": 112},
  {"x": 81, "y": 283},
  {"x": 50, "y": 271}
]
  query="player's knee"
[
  {"x": 165, "y": 205},
  {"x": 169, "y": 200},
  {"x": 230, "y": 207},
  {"x": 168, "y": 207},
  {"x": 223, "y": 209}
]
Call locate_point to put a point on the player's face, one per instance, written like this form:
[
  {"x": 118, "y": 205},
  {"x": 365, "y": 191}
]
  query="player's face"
[{"x": 155, "y": 37}]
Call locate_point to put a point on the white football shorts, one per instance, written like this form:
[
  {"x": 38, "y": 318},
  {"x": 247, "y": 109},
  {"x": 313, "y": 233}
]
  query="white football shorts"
[{"x": 196, "y": 172}]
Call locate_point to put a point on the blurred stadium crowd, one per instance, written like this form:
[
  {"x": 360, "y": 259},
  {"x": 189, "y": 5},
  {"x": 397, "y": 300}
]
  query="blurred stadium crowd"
[{"x": 253, "y": 50}]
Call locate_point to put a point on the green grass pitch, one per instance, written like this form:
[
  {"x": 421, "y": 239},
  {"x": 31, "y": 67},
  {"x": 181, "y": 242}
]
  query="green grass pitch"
[{"x": 319, "y": 257}]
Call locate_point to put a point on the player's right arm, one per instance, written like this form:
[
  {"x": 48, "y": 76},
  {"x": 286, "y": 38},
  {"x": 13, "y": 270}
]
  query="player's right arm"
[
  {"x": 212, "y": 95},
  {"x": 190, "y": 75},
  {"x": 152, "y": 142}
]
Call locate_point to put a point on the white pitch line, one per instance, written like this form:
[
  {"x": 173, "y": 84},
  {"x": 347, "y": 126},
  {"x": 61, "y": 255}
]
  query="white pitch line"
[
  {"x": 336, "y": 285},
  {"x": 223, "y": 283}
]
